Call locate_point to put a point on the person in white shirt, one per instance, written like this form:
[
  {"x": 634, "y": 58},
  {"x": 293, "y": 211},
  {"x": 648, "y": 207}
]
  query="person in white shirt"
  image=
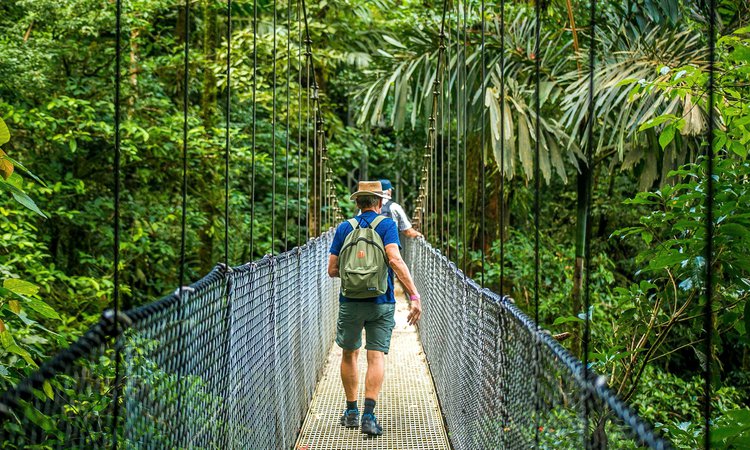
[{"x": 396, "y": 212}]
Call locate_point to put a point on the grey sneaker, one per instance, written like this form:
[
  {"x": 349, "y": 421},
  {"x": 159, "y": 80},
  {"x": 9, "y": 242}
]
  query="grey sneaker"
[
  {"x": 370, "y": 425},
  {"x": 350, "y": 419}
]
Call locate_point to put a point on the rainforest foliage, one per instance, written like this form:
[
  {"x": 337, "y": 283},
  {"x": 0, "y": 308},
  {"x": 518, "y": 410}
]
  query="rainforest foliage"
[{"x": 375, "y": 64}]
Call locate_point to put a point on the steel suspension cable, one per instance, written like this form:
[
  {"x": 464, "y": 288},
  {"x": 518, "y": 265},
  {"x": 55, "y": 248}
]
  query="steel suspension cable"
[
  {"x": 587, "y": 231},
  {"x": 308, "y": 192},
  {"x": 183, "y": 222},
  {"x": 709, "y": 205},
  {"x": 432, "y": 138},
  {"x": 228, "y": 109},
  {"x": 483, "y": 230},
  {"x": 255, "y": 116},
  {"x": 320, "y": 173},
  {"x": 424, "y": 207},
  {"x": 459, "y": 242},
  {"x": 448, "y": 93},
  {"x": 273, "y": 136},
  {"x": 464, "y": 105},
  {"x": 537, "y": 186},
  {"x": 315, "y": 167},
  {"x": 185, "y": 81},
  {"x": 441, "y": 189},
  {"x": 288, "y": 118},
  {"x": 299, "y": 125},
  {"x": 502, "y": 147},
  {"x": 116, "y": 220}
]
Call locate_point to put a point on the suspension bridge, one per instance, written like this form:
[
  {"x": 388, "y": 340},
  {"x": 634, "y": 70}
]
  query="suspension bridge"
[{"x": 244, "y": 357}]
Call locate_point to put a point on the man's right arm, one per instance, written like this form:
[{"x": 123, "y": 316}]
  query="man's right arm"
[
  {"x": 404, "y": 225},
  {"x": 412, "y": 233},
  {"x": 402, "y": 272}
]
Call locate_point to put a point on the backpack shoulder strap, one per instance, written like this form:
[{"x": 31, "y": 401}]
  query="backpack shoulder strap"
[
  {"x": 386, "y": 209},
  {"x": 354, "y": 223},
  {"x": 374, "y": 224}
]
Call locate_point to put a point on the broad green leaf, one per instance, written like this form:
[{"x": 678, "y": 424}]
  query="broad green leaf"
[
  {"x": 14, "y": 306},
  {"x": 42, "y": 308},
  {"x": 20, "y": 286},
  {"x": 666, "y": 136},
  {"x": 21, "y": 197},
  {"x": 4, "y": 132},
  {"x": 741, "y": 53},
  {"x": 393, "y": 41},
  {"x": 656, "y": 121},
  {"x": 7, "y": 341},
  {"x": 562, "y": 320},
  {"x": 524, "y": 147},
  {"x": 47, "y": 387},
  {"x": 735, "y": 230},
  {"x": 739, "y": 149},
  {"x": 544, "y": 164},
  {"x": 23, "y": 168},
  {"x": 384, "y": 53},
  {"x": 15, "y": 180}
]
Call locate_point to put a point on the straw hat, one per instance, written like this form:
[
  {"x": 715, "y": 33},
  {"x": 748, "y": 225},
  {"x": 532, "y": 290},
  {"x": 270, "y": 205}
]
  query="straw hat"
[{"x": 369, "y": 188}]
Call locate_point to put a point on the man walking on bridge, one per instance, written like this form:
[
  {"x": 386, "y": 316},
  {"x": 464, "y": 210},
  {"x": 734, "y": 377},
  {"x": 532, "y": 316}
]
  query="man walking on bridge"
[
  {"x": 365, "y": 254},
  {"x": 396, "y": 212}
]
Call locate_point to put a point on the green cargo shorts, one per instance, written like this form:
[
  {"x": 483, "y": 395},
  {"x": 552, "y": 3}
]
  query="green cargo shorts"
[{"x": 376, "y": 319}]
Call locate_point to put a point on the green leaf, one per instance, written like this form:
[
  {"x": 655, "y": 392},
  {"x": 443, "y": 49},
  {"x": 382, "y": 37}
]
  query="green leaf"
[
  {"x": 561, "y": 320},
  {"x": 666, "y": 136},
  {"x": 656, "y": 121},
  {"x": 25, "y": 170},
  {"x": 21, "y": 197},
  {"x": 15, "y": 180},
  {"x": 42, "y": 308},
  {"x": 47, "y": 387},
  {"x": 20, "y": 286},
  {"x": 739, "y": 149},
  {"x": 10, "y": 345},
  {"x": 393, "y": 41},
  {"x": 741, "y": 53},
  {"x": 4, "y": 132}
]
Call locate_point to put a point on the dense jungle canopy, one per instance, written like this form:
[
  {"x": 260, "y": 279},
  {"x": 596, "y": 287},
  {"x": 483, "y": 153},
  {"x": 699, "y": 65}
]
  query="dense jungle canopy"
[{"x": 375, "y": 63}]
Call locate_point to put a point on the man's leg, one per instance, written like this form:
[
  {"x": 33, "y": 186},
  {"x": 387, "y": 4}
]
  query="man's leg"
[
  {"x": 378, "y": 342},
  {"x": 350, "y": 374},
  {"x": 375, "y": 374}
]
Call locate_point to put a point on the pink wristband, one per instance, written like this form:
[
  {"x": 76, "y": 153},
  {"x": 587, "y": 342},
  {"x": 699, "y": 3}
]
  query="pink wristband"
[{"x": 414, "y": 297}]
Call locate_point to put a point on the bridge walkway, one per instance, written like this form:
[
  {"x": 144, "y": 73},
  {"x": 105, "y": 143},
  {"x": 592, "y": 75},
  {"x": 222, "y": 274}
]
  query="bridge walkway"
[{"x": 407, "y": 408}]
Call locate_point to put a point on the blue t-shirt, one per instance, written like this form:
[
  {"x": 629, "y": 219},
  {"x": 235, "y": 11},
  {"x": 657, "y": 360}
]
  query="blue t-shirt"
[{"x": 388, "y": 232}]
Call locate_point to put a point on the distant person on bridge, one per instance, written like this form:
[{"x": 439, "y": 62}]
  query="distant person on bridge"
[
  {"x": 365, "y": 254},
  {"x": 396, "y": 212}
]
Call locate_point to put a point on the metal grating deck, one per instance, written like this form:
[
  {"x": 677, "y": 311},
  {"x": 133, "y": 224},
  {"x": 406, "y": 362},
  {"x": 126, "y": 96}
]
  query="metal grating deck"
[{"x": 407, "y": 408}]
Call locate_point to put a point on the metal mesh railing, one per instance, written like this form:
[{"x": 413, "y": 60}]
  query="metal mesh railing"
[
  {"x": 233, "y": 364},
  {"x": 502, "y": 382}
]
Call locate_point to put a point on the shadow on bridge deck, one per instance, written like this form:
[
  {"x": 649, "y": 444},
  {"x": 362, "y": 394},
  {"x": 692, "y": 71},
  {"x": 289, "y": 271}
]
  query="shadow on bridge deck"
[{"x": 407, "y": 409}]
